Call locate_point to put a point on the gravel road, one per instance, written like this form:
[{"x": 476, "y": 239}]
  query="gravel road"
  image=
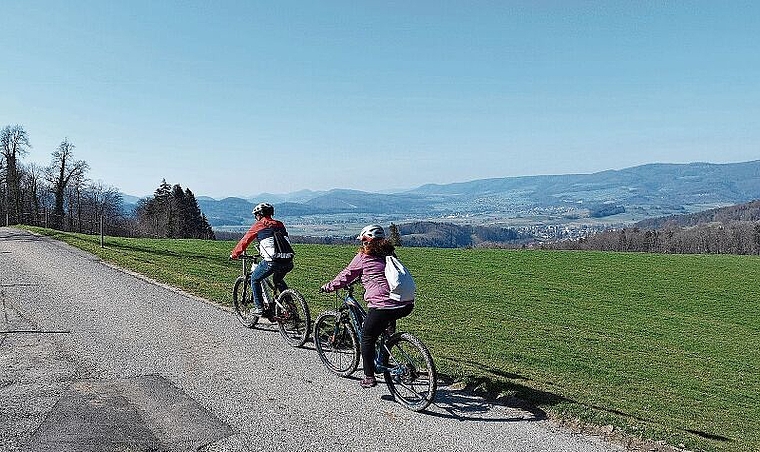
[{"x": 97, "y": 359}]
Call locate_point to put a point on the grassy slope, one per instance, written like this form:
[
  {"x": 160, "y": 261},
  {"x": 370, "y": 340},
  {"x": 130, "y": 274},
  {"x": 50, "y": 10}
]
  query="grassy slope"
[{"x": 664, "y": 346}]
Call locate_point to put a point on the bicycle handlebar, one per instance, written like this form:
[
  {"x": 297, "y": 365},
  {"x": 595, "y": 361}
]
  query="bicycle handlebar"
[{"x": 247, "y": 257}]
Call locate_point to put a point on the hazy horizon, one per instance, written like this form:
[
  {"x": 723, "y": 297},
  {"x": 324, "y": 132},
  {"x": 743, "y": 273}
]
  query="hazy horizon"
[{"x": 392, "y": 191}]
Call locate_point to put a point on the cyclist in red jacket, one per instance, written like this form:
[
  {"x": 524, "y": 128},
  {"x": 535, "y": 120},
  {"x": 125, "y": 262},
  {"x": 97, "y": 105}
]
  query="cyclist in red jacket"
[{"x": 263, "y": 230}]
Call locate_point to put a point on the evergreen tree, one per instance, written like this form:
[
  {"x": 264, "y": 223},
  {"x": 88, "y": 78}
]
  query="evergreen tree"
[
  {"x": 198, "y": 224},
  {"x": 173, "y": 213},
  {"x": 208, "y": 233},
  {"x": 180, "y": 224},
  {"x": 395, "y": 236}
]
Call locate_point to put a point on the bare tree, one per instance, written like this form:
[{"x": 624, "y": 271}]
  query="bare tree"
[
  {"x": 76, "y": 185},
  {"x": 105, "y": 203},
  {"x": 60, "y": 173},
  {"x": 14, "y": 144},
  {"x": 33, "y": 185}
]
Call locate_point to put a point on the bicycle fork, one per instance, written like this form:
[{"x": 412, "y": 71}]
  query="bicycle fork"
[{"x": 339, "y": 329}]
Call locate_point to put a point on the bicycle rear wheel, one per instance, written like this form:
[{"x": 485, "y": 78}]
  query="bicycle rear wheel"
[
  {"x": 293, "y": 318},
  {"x": 242, "y": 301},
  {"x": 410, "y": 374},
  {"x": 337, "y": 343}
]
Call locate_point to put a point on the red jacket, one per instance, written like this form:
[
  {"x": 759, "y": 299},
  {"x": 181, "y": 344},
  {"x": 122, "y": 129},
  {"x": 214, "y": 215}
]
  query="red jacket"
[{"x": 262, "y": 231}]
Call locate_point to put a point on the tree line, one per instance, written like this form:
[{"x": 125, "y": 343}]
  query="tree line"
[
  {"x": 726, "y": 230},
  {"x": 424, "y": 234},
  {"x": 172, "y": 213},
  {"x": 60, "y": 196}
]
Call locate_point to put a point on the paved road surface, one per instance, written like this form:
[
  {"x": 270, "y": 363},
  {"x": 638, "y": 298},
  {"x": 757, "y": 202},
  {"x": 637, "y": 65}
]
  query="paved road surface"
[{"x": 96, "y": 359}]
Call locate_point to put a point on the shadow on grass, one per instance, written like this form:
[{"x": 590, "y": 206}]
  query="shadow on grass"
[
  {"x": 112, "y": 244},
  {"x": 533, "y": 397},
  {"x": 709, "y": 436},
  {"x": 495, "y": 393}
]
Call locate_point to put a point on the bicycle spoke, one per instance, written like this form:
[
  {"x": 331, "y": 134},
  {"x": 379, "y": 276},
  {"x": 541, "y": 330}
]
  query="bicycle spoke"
[
  {"x": 411, "y": 374},
  {"x": 243, "y": 303},
  {"x": 414, "y": 394},
  {"x": 336, "y": 344},
  {"x": 292, "y": 315}
]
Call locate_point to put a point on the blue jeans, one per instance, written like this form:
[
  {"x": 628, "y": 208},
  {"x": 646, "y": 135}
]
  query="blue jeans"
[{"x": 265, "y": 268}]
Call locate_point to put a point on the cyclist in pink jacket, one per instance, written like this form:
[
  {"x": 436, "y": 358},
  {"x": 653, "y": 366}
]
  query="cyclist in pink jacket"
[{"x": 382, "y": 311}]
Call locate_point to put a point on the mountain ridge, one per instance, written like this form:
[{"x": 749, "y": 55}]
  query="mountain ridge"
[{"x": 624, "y": 196}]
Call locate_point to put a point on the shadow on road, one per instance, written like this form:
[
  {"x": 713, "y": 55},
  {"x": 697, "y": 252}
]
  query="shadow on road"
[
  {"x": 465, "y": 405},
  {"x": 487, "y": 400},
  {"x": 18, "y": 236}
]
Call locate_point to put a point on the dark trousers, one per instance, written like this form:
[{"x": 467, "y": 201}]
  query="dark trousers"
[{"x": 377, "y": 321}]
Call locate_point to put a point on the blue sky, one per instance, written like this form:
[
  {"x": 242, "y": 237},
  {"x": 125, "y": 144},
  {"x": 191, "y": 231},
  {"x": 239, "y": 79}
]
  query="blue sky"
[{"x": 378, "y": 95}]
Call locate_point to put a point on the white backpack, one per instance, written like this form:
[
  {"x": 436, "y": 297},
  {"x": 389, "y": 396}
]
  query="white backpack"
[{"x": 400, "y": 281}]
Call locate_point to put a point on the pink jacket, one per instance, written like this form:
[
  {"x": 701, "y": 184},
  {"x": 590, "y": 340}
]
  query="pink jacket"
[{"x": 372, "y": 271}]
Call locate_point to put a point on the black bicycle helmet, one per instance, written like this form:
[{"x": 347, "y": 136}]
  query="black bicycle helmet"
[{"x": 264, "y": 209}]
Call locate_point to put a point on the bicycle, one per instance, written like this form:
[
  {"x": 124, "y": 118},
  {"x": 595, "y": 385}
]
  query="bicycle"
[
  {"x": 402, "y": 358},
  {"x": 287, "y": 308}
]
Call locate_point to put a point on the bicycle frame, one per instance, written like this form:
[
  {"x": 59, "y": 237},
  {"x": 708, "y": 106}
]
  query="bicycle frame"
[
  {"x": 247, "y": 271},
  {"x": 357, "y": 314}
]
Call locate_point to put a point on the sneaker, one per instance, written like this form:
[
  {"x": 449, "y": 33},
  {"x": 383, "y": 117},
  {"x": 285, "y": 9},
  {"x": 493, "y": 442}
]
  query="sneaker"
[
  {"x": 256, "y": 311},
  {"x": 368, "y": 382}
]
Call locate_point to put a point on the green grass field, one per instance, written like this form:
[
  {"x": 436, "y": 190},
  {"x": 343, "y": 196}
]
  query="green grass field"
[{"x": 665, "y": 347}]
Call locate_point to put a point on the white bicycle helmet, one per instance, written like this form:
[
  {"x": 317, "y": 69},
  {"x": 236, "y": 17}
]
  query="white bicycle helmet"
[
  {"x": 264, "y": 209},
  {"x": 373, "y": 231}
]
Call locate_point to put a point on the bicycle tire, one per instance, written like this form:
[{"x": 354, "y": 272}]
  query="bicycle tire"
[
  {"x": 411, "y": 377},
  {"x": 242, "y": 302},
  {"x": 294, "y": 321},
  {"x": 337, "y": 343}
]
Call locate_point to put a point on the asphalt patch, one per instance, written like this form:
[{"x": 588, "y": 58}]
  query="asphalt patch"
[{"x": 138, "y": 414}]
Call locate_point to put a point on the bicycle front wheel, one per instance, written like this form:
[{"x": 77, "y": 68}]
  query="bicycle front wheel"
[
  {"x": 242, "y": 301},
  {"x": 410, "y": 373},
  {"x": 292, "y": 316},
  {"x": 337, "y": 343}
]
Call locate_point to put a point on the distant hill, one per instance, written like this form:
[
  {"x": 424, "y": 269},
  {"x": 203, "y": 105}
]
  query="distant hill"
[
  {"x": 742, "y": 212},
  {"x": 296, "y": 196},
  {"x": 726, "y": 230},
  {"x": 128, "y": 204},
  {"x": 623, "y": 196},
  {"x": 234, "y": 211},
  {"x": 443, "y": 235},
  {"x": 226, "y": 211},
  {"x": 673, "y": 185}
]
